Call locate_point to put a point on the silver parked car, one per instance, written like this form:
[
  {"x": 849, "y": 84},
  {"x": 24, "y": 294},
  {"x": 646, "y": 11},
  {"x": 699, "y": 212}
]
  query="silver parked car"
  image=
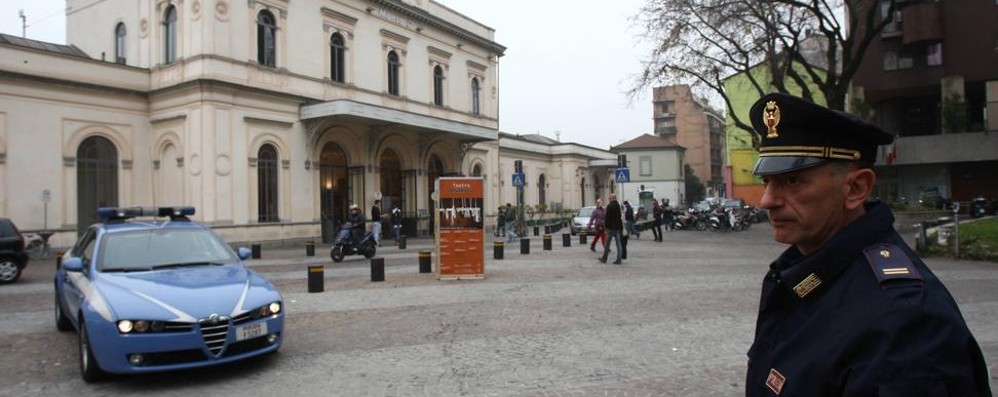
[{"x": 581, "y": 220}]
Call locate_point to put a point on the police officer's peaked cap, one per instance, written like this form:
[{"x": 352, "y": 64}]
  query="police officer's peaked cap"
[{"x": 797, "y": 134}]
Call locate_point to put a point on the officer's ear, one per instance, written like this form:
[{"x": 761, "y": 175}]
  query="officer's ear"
[{"x": 859, "y": 186}]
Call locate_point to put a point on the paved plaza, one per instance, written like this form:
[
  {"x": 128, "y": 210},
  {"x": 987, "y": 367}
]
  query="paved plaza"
[{"x": 676, "y": 319}]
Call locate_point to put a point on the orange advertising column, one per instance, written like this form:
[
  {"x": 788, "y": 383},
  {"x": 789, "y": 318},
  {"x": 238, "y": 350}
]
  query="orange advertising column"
[{"x": 460, "y": 228}]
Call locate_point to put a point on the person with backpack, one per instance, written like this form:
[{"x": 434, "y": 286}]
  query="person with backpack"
[{"x": 629, "y": 220}]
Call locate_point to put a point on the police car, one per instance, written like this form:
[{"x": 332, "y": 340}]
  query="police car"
[{"x": 148, "y": 295}]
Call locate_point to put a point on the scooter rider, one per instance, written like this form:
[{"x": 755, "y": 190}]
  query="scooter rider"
[{"x": 356, "y": 221}]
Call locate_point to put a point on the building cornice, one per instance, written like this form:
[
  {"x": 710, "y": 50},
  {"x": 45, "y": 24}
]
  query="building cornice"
[{"x": 439, "y": 23}]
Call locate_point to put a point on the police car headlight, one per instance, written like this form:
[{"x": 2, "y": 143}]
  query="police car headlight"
[
  {"x": 141, "y": 326},
  {"x": 267, "y": 310},
  {"x": 125, "y": 326}
]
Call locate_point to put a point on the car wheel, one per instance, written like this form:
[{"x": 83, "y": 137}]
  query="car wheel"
[
  {"x": 9, "y": 271},
  {"x": 89, "y": 369},
  {"x": 61, "y": 321},
  {"x": 337, "y": 254},
  {"x": 369, "y": 253}
]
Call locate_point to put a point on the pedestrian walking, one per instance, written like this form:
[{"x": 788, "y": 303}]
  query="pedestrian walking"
[
  {"x": 501, "y": 222},
  {"x": 849, "y": 309},
  {"x": 510, "y": 223},
  {"x": 376, "y": 220},
  {"x": 396, "y": 219},
  {"x": 629, "y": 220},
  {"x": 596, "y": 222},
  {"x": 668, "y": 215},
  {"x": 656, "y": 228},
  {"x": 614, "y": 226}
]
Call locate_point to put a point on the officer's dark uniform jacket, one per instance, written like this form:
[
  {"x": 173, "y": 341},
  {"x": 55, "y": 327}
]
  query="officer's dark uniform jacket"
[{"x": 862, "y": 316}]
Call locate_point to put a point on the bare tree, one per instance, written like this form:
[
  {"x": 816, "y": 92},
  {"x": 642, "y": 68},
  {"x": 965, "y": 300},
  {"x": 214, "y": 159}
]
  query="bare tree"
[{"x": 814, "y": 46}]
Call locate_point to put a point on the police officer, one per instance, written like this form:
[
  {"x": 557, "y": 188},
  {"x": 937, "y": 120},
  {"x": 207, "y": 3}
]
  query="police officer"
[{"x": 848, "y": 309}]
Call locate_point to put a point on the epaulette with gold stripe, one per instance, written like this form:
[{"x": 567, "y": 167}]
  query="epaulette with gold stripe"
[{"x": 889, "y": 262}]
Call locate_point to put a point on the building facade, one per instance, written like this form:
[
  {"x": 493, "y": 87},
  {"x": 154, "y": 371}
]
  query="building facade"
[
  {"x": 656, "y": 166},
  {"x": 931, "y": 78},
  {"x": 683, "y": 120},
  {"x": 269, "y": 116}
]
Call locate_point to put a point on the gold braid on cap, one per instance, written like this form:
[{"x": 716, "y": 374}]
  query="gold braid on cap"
[{"x": 810, "y": 151}]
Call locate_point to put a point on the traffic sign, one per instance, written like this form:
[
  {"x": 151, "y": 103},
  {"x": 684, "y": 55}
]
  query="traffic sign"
[
  {"x": 622, "y": 175},
  {"x": 518, "y": 179}
]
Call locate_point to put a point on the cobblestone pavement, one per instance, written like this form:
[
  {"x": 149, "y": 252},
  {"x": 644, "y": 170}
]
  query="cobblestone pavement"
[{"x": 674, "y": 320}]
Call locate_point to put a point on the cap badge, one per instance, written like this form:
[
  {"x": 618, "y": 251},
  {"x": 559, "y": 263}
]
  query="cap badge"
[
  {"x": 771, "y": 117},
  {"x": 885, "y": 253}
]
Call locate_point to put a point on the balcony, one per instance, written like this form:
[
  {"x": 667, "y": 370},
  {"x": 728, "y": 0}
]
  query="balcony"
[
  {"x": 943, "y": 148},
  {"x": 922, "y": 22}
]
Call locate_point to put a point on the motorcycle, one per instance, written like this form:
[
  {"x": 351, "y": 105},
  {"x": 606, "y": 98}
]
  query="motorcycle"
[{"x": 346, "y": 245}]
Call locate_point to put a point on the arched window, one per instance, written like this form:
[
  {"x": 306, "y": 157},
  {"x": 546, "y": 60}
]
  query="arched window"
[
  {"x": 119, "y": 43},
  {"x": 266, "y": 39},
  {"x": 267, "y": 183},
  {"x": 337, "y": 58},
  {"x": 170, "y": 35},
  {"x": 477, "y": 170},
  {"x": 438, "y": 85},
  {"x": 393, "y": 73},
  {"x": 475, "y": 96},
  {"x": 541, "y": 189}
]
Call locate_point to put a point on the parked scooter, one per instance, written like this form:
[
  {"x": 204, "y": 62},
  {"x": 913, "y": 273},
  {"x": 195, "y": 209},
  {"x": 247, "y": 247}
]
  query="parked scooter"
[
  {"x": 981, "y": 206},
  {"x": 347, "y": 244}
]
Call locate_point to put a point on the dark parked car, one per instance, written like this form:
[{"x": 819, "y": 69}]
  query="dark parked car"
[{"x": 13, "y": 258}]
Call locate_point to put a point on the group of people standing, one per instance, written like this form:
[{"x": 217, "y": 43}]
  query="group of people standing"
[{"x": 609, "y": 224}]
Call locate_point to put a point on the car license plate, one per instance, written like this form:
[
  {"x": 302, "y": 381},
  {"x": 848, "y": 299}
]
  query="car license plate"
[{"x": 251, "y": 331}]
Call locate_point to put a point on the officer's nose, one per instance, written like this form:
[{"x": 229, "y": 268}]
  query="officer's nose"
[{"x": 770, "y": 197}]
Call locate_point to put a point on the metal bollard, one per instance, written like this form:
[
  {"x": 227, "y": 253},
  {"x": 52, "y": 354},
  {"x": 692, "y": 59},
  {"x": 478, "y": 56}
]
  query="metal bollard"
[
  {"x": 524, "y": 246},
  {"x": 547, "y": 242},
  {"x": 401, "y": 241},
  {"x": 582, "y": 237},
  {"x": 497, "y": 249},
  {"x": 316, "y": 278},
  {"x": 547, "y": 229},
  {"x": 256, "y": 251},
  {"x": 309, "y": 248},
  {"x": 377, "y": 269},
  {"x": 424, "y": 261},
  {"x": 566, "y": 239}
]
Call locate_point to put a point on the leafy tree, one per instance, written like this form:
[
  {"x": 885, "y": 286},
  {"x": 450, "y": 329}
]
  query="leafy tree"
[
  {"x": 815, "y": 46},
  {"x": 695, "y": 191}
]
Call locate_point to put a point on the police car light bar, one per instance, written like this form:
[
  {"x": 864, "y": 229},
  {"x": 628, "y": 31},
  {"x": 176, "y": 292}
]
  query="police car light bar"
[{"x": 113, "y": 213}]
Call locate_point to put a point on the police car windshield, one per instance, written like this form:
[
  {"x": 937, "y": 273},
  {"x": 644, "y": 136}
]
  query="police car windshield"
[{"x": 159, "y": 248}]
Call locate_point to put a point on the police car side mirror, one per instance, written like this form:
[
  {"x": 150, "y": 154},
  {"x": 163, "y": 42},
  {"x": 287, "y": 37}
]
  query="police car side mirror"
[
  {"x": 72, "y": 264},
  {"x": 244, "y": 253}
]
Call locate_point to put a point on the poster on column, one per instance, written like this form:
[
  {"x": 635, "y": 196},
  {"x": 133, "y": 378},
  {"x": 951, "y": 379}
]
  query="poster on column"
[{"x": 460, "y": 228}]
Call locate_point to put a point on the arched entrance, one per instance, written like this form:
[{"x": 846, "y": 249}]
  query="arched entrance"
[
  {"x": 596, "y": 187},
  {"x": 333, "y": 189},
  {"x": 434, "y": 168},
  {"x": 391, "y": 181},
  {"x": 96, "y": 179}
]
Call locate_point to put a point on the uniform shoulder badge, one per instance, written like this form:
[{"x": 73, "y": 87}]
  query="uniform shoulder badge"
[{"x": 889, "y": 262}]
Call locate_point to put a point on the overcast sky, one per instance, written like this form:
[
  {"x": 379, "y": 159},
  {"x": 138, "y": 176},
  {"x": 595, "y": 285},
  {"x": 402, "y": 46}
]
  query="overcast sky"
[{"x": 567, "y": 67}]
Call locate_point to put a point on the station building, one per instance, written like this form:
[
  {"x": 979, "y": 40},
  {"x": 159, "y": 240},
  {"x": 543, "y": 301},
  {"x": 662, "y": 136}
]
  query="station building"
[{"x": 269, "y": 116}]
